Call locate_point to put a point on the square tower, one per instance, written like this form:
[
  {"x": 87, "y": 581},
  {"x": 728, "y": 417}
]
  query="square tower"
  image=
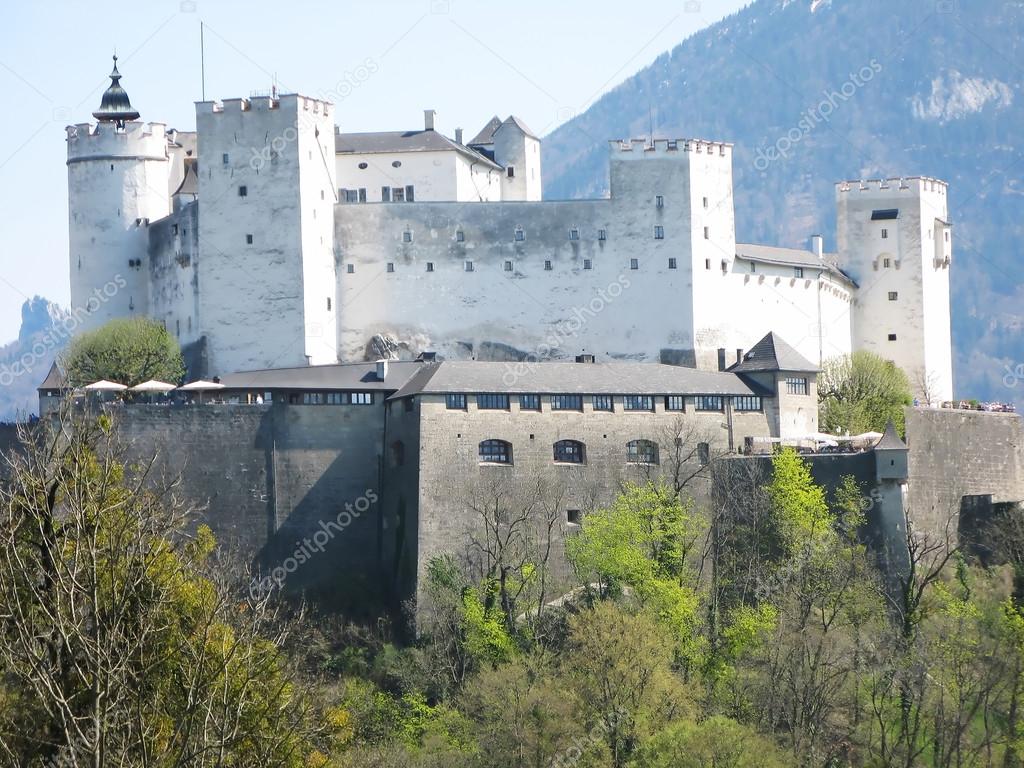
[
  {"x": 266, "y": 232},
  {"x": 895, "y": 240}
]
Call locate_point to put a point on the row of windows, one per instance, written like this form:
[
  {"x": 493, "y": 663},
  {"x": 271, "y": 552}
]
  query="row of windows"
[
  {"x": 397, "y": 195},
  {"x": 330, "y": 398},
  {"x": 494, "y": 451},
  {"x": 566, "y": 402},
  {"x": 796, "y": 385},
  {"x": 406, "y": 194},
  {"x": 797, "y": 271},
  {"x": 508, "y": 266}
]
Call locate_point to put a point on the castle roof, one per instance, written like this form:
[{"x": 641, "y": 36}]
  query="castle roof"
[
  {"x": 891, "y": 440},
  {"x": 573, "y": 378},
  {"x": 792, "y": 257},
  {"x": 389, "y": 142},
  {"x": 115, "y": 105},
  {"x": 354, "y": 376},
  {"x": 55, "y": 379},
  {"x": 772, "y": 353},
  {"x": 486, "y": 135}
]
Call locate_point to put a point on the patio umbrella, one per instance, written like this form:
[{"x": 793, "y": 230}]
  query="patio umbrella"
[
  {"x": 105, "y": 386},
  {"x": 200, "y": 387},
  {"x": 153, "y": 386}
]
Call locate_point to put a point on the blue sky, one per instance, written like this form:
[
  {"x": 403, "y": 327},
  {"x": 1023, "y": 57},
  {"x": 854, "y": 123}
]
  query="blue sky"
[{"x": 468, "y": 59}]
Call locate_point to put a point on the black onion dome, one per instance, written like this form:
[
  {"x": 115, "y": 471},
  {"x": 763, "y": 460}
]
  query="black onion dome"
[{"x": 115, "y": 106}]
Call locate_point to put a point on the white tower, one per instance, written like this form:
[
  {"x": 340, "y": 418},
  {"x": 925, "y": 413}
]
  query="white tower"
[
  {"x": 895, "y": 240},
  {"x": 266, "y": 232},
  {"x": 517, "y": 150},
  {"x": 117, "y": 182}
]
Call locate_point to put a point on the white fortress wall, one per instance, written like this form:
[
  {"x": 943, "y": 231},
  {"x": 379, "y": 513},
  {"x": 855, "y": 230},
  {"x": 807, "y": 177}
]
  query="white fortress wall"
[
  {"x": 173, "y": 268},
  {"x": 433, "y": 174}
]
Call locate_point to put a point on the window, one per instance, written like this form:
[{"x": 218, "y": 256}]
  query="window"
[
  {"x": 892, "y": 337},
  {"x": 707, "y": 233},
  {"x": 529, "y": 402},
  {"x": 893, "y": 295},
  {"x": 409, "y": 196},
  {"x": 602, "y": 234},
  {"x": 705, "y": 202},
  {"x": 224, "y": 159},
  {"x": 362, "y": 398},
  {"x": 642, "y": 452},
  {"x": 659, "y": 201},
  {"x": 747, "y": 403},
  {"x": 174, "y": 229},
  {"x": 460, "y": 236},
  {"x": 313, "y": 398},
  {"x": 886, "y": 263},
  {"x": 798, "y": 271},
  {"x": 588, "y": 264},
  {"x": 248, "y": 239},
  {"x": 707, "y": 403},
  {"x": 362, "y": 198},
  {"x": 659, "y": 232},
  {"x": 328, "y": 303},
  {"x": 574, "y": 234},
  {"x": 243, "y": 191},
  {"x": 567, "y": 402},
  {"x": 637, "y": 403},
  {"x": 350, "y": 268},
  {"x": 753, "y": 267},
  {"x": 455, "y": 402},
  {"x": 510, "y": 172},
  {"x": 430, "y": 266},
  {"x": 634, "y": 263},
  {"x": 520, "y": 236},
  {"x": 573, "y": 517},
  {"x": 468, "y": 266},
  {"x": 492, "y": 402},
  {"x": 707, "y": 264},
  {"x": 351, "y": 195},
  {"x": 547, "y": 264},
  {"x": 397, "y": 195},
  {"x": 570, "y": 452},
  {"x": 407, "y": 236},
  {"x": 796, "y": 385},
  {"x": 391, "y": 266},
  {"x": 495, "y": 452},
  {"x": 396, "y": 163},
  {"x": 603, "y": 403},
  {"x": 885, "y": 234},
  {"x": 508, "y": 266},
  {"x": 674, "y": 402},
  {"x": 385, "y": 194},
  {"x": 671, "y": 263},
  {"x": 363, "y": 166},
  {"x": 704, "y": 454}
]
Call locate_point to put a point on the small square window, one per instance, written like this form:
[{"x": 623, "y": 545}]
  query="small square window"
[
  {"x": 671, "y": 263},
  {"x": 350, "y": 268},
  {"x": 430, "y": 266},
  {"x": 659, "y": 201},
  {"x": 674, "y": 402},
  {"x": 460, "y": 236},
  {"x": 529, "y": 403},
  {"x": 886, "y": 263},
  {"x": 243, "y": 191},
  {"x": 410, "y": 193},
  {"x": 224, "y": 159},
  {"x": 511, "y": 172},
  {"x": 397, "y": 195},
  {"x": 705, "y": 202},
  {"x": 893, "y": 295},
  {"x": 885, "y": 234},
  {"x": 892, "y": 337},
  {"x": 707, "y": 264},
  {"x": 362, "y": 196},
  {"x": 391, "y": 266},
  {"x": 407, "y": 236},
  {"x": 520, "y": 235},
  {"x": 468, "y": 266},
  {"x": 385, "y": 194},
  {"x": 248, "y": 239},
  {"x": 659, "y": 233},
  {"x": 455, "y": 402},
  {"x": 508, "y": 266},
  {"x": 574, "y": 234},
  {"x": 798, "y": 271},
  {"x": 602, "y": 234},
  {"x": 634, "y": 263},
  {"x": 547, "y": 265},
  {"x": 707, "y": 233},
  {"x": 753, "y": 267},
  {"x": 588, "y": 264},
  {"x": 328, "y": 303},
  {"x": 603, "y": 403},
  {"x": 573, "y": 517}
]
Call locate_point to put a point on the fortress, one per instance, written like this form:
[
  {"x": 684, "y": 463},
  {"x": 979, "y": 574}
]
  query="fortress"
[{"x": 267, "y": 238}]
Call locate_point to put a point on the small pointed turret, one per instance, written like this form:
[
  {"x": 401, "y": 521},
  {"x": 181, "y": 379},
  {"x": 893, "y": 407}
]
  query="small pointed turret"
[{"x": 115, "y": 107}]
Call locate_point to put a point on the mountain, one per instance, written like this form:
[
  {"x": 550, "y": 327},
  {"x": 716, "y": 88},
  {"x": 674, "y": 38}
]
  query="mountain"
[
  {"x": 25, "y": 362},
  {"x": 817, "y": 92}
]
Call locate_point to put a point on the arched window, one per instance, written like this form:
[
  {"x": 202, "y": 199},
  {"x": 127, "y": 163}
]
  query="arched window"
[
  {"x": 570, "y": 452},
  {"x": 496, "y": 452},
  {"x": 642, "y": 452}
]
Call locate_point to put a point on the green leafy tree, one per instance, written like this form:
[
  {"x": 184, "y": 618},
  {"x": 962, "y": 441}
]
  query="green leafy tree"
[
  {"x": 717, "y": 741},
  {"x": 128, "y": 351},
  {"x": 860, "y": 393}
]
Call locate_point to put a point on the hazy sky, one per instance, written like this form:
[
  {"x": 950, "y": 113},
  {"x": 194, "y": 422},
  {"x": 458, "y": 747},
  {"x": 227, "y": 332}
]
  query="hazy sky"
[{"x": 468, "y": 59}]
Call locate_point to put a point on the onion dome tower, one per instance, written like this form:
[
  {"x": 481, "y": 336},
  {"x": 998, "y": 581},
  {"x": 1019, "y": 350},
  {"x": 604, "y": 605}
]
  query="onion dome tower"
[{"x": 115, "y": 106}]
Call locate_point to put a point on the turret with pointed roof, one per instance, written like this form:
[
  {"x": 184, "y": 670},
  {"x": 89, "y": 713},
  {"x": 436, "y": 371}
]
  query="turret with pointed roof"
[{"x": 115, "y": 106}]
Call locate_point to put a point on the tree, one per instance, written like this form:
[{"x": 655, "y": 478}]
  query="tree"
[
  {"x": 718, "y": 741},
  {"x": 128, "y": 351},
  {"x": 120, "y": 643},
  {"x": 861, "y": 393}
]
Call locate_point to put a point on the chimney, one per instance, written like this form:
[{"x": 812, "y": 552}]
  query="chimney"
[
  {"x": 739, "y": 355},
  {"x": 721, "y": 358},
  {"x": 818, "y": 246},
  {"x": 584, "y": 358},
  {"x": 429, "y": 116},
  {"x": 458, "y": 135},
  {"x": 382, "y": 370}
]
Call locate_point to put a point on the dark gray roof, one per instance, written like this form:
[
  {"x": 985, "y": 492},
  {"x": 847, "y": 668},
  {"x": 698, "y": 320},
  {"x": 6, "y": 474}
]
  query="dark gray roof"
[
  {"x": 486, "y": 135},
  {"x": 772, "y": 354},
  {"x": 574, "y": 378},
  {"x": 890, "y": 439},
  {"x": 346, "y": 376},
  {"x": 402, "y": 141},
  {"x": 513, "y": 120},
  {"x": 792, "y": 257},
  {"x": 55, "y": 379}
]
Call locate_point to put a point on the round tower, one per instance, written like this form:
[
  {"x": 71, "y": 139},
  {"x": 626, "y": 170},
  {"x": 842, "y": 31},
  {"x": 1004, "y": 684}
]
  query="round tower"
[{"x": 117, "y": 182}]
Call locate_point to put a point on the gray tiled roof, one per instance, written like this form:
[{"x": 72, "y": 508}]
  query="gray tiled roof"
[
  {"x": 574, "y": 378},
  {"x": 486, "y": 135},
  {"x": 54, "y": 379},
  {"x": 790, "y": 257},
  {"x": 402, "y": 141},
  {"x": 354, "y": 376},
  {"x": 772, "y": 353},
  {"x": 520, "y": 124},
  {"x": 890, "y": 439}
]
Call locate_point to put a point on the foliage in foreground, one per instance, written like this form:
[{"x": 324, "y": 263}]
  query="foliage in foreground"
[{"x": 128, "y": 351}]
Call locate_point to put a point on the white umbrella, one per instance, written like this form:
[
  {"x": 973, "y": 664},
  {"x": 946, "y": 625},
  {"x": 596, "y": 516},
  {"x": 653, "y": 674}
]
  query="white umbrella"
[
  {"x": 201, "y": 386},
  {"x": 153, "y": 386},
  {"x": 105, "y": 386}
]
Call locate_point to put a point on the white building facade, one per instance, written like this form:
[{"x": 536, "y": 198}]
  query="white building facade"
[{"x": 269, "y": 238}]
